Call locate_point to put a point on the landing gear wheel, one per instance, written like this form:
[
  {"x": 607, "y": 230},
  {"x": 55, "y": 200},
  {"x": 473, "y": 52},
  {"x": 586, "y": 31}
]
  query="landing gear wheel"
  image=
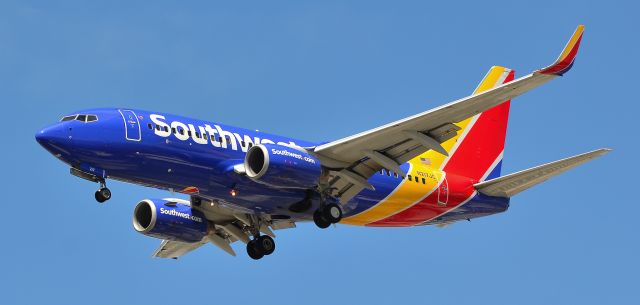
[
  {"x": 320, "y": 221},
  {"x": 103, "y": 194},
  {"x": 332, "y": 213},
  {"x": 253, "y": 251},
  {"x": 265, "y": 244}
]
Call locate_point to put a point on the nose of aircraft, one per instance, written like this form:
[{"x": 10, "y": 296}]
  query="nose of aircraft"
[{"x": 55, "y": 135}]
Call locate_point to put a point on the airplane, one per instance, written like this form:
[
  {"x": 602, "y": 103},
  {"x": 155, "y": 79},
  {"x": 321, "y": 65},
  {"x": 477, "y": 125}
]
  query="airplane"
[{"x": 433, "y": 168}]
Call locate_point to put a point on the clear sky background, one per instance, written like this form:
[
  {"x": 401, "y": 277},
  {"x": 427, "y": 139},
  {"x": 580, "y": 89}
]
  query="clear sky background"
[{"x": 321, "y": 70}]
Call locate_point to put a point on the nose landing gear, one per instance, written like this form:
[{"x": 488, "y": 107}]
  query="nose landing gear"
[{"x": 103, "y": 193}]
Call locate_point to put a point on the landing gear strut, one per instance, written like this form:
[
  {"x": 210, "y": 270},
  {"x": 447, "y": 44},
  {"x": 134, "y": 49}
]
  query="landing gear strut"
[
  {"x": 260, "y": 245},
  {"x": 326, "y": 215},
  {"x": 103, "y": 193}
]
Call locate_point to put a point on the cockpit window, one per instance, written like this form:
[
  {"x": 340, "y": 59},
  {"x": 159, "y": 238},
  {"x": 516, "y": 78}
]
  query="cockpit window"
[
  {"x": 86, "y": 118},
  {"x": 68, "y": 118}
]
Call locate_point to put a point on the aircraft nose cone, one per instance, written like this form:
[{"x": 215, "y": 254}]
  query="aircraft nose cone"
[
  {"x": 52, "y": 135},
  {"x": 42, "y": 136}
]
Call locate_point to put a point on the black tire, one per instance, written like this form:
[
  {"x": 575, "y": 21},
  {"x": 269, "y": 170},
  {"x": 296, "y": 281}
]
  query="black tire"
[
  {"x": 253, "y": 251},
  {"x": 320, "y": 221},
  {"x": 332, "y": 213},
  {"x": 99, "y": 197},
  {"x": 266, "y": 244},
  {"x": 106, "y": 193}
]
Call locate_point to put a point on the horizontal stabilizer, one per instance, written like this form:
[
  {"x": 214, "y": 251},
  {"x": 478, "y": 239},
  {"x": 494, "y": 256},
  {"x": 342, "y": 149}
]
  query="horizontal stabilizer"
[{"x": 509, "y": 185}]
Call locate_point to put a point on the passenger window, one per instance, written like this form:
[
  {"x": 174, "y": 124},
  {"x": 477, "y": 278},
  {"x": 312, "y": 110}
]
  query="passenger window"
[
  {"x": 424, "y": 181},
  {"x": 158, "y": 127},
  {"x": 150, "y": 126},
  {"x": 395, "y": 174},
  {"x": 166, "y": 129},
  {"x": 189, "y": 132},
  {"x": 409, "y": 177},
  {"x": 92, "y": 118},
  {"x": 182, "y": 131},
  {"x": 417, "y": 180},
  {"x": 388, "y": 173},
  {"x": 250, "y": 144},
  {"x": 173, "y": 130},
  {"x": 197, "y": 135},
  {"x": 81, "y": 117}
]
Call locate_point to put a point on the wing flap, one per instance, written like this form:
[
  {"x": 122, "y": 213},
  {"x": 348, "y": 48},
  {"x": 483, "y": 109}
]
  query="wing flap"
[
  {"x": 175, "y": 249},
  {"x": 512, "y": 184}
]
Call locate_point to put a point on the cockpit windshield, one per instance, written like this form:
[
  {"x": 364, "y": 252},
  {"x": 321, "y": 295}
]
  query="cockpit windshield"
[
  {"x": 86, "y": 118},
  {"x": 68, "y": 118}
]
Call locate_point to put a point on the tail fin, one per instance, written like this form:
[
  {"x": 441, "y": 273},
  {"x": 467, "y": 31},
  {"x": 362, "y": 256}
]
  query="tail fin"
[{"x": 478, "y": 152}]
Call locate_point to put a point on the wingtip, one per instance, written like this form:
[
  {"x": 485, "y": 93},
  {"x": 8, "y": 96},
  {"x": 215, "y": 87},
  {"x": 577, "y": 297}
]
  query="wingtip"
[
  {"x": 601, "y": 151},
  {"x": 568, "y": 55}
]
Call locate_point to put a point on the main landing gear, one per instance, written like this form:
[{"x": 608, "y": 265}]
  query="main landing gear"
[
  {"x": 261, "y": 246},
  {"x": 326, "y": 215},
  {"x": 103, "y": 193}
]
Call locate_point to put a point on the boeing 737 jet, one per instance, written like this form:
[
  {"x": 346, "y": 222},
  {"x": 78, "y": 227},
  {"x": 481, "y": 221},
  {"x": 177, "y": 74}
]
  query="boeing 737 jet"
[{"x": 433, "y": 168}]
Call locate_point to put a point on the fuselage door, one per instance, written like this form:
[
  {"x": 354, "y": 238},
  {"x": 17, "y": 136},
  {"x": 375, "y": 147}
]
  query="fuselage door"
[
  {"x": 443, "y": 192},
  {"x": 131, "y": 125}
]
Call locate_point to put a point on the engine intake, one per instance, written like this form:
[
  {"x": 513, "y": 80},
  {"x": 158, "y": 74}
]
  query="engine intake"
[
  {"x": 282, "y": 166},
  {"x": 170, "y": 220}
]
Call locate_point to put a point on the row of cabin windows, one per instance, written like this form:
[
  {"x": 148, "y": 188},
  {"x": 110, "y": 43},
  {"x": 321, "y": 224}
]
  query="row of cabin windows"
[
  {"x": 409, "y": 177},
  {"x": 197, "y": 134}
]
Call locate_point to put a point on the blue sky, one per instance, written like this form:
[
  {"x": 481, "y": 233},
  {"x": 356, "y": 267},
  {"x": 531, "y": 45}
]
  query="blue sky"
[{"x": 320, "y": 71}]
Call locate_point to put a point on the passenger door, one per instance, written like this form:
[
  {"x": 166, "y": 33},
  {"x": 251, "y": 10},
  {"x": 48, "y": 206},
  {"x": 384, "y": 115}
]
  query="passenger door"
[{"x": 131, "y": 125}]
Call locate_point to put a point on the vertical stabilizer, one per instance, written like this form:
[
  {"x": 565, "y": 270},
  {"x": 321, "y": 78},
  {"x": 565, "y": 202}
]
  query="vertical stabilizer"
[{"x": 478, "y": 153}]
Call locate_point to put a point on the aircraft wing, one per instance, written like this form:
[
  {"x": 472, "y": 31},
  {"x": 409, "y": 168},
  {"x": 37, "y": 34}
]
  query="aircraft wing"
[
  {"x": 356, "y": 158},
  {"x": 227, "y": 229}
]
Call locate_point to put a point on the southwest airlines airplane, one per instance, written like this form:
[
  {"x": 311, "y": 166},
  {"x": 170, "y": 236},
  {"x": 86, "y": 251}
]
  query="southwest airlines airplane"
[{"x": 433, "y": 168}]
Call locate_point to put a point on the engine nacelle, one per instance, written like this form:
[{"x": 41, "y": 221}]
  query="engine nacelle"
[
  {"x": 282, "y": 166},
  {"x": 169, "y": 219}
]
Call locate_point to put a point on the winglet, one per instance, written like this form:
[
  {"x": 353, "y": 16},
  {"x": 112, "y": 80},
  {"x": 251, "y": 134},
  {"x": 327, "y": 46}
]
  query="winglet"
[{"x": 568, "y": 55}]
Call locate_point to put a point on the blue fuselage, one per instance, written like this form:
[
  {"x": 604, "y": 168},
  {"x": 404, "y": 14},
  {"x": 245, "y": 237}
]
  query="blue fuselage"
[{"x": 181, "y": 154}]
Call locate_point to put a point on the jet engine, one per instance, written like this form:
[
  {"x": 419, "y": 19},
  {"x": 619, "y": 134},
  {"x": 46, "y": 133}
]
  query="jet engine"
[
  {"x": 282, "y": 166},
  {"x": 170, "y": 220}
]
